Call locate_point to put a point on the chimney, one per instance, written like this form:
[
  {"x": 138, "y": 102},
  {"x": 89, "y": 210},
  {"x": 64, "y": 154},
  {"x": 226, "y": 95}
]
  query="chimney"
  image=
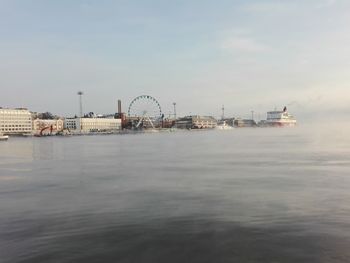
[{"x": 119, "y": 107}]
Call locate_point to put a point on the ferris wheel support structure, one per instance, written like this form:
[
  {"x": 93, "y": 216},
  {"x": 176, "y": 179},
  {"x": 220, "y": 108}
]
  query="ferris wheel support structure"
[{"x": 146, "y": 109}]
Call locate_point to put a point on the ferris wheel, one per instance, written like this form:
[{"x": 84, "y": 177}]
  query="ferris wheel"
[{"x": 146, "y": 110}]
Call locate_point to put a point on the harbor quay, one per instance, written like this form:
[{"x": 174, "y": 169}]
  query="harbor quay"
[
  {"x": 143, "y": 114},
  {"x": 22, "y": 122}
]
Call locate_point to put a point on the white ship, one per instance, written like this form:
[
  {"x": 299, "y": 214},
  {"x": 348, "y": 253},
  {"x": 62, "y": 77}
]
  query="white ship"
[
  {"x": 3, "y": 137},
  {"x": 222, "y": 125},
  {"x": 280, "y": 119}
]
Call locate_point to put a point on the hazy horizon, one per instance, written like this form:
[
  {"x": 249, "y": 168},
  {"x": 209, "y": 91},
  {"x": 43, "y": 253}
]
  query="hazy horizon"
[{"x": 246, "y": 55}]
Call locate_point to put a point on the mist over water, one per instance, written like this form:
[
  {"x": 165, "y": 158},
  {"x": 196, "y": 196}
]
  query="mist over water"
[{"x": 247, "y": 195}]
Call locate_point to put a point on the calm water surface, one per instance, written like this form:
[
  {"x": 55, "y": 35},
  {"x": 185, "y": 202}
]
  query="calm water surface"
[{"x": 248, "y": 195}]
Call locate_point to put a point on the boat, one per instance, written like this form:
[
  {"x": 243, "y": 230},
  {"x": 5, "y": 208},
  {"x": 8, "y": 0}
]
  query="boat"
[
  {"x": 222, "y": 125},
  {"x": 3, "y": 137},
  {"x": 280, "y": 119}
]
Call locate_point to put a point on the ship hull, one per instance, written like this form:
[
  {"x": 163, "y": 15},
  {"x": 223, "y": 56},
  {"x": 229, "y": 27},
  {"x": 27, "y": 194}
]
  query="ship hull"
[{"x": 281, "y": 124}]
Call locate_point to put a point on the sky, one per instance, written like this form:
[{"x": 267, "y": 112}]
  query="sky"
[{"x": 247, "y": 55}]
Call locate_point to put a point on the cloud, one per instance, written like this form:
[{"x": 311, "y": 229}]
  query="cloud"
[
  {"x": 326, "y": 3},
  {"x": 242, "y": 44},
  {"x": 269, "y": 7}
]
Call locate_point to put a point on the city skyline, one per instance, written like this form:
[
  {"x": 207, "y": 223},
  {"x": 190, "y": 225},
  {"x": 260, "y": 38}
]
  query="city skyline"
[{"x": 246, "y": 55}]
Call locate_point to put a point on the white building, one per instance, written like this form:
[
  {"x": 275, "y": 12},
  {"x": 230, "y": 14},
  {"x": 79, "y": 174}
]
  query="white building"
[
  {"x": 196, "y": 122},
  {"x": 71, "y": 123},
  {"x": 15, "y": 121},
  {"x": 49, "y": 125},
  {"x": 86, "y": 125}
]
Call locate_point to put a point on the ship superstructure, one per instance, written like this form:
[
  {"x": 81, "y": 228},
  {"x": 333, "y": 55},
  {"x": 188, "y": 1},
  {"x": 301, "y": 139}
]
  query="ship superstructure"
[{"x": 280, "y": 118}]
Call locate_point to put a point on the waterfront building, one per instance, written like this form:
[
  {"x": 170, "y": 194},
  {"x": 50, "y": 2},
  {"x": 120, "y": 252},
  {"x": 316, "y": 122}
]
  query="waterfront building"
[
  {"x": 196, "y": 122},
  {"x": 49, "y": 125},
  {"x": 244, "y": 123},
  {"x": 86, "y": 125},
  {"x": 71, "y": 123},
  {"x": 229, "y": 121},
  {"x": 15, "y": 121}
]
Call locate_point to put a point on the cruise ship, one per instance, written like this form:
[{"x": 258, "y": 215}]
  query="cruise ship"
[{"x": 280, "y": 119}]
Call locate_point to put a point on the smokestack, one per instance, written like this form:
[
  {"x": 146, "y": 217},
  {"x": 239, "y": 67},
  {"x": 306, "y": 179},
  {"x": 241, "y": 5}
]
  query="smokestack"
[
  {"x": 80, "y": 93},
  {"x": 119, "y": 107}
]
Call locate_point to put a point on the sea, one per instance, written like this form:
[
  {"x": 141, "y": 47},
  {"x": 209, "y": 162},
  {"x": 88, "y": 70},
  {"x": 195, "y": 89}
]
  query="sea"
[{"x": 243, "y": 195}]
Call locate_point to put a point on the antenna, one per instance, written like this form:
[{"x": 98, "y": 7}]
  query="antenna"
[{"x": 80, "y": 93}]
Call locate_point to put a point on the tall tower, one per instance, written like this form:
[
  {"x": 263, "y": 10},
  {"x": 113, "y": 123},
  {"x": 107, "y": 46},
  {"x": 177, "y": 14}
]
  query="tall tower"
[
  {"x": 80, "y": 94},
  {"x": 223, "y": 112},
  {"x": 174, "y": 103},
  {"x": 119, "y": 108}
]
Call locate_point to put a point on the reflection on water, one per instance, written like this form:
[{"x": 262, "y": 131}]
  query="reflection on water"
[
  {"x": 18, "y": 150},
  {"x": 248, "y": 195}
]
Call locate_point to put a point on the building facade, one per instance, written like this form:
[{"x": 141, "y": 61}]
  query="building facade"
[
  {"x": 196, "y": 122},
  {"x": 15, "y": 121},
  {"x": 244, "y": 123},
  {"x": 49, "y": 126},
  {"x": 87, "y": 125}
]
